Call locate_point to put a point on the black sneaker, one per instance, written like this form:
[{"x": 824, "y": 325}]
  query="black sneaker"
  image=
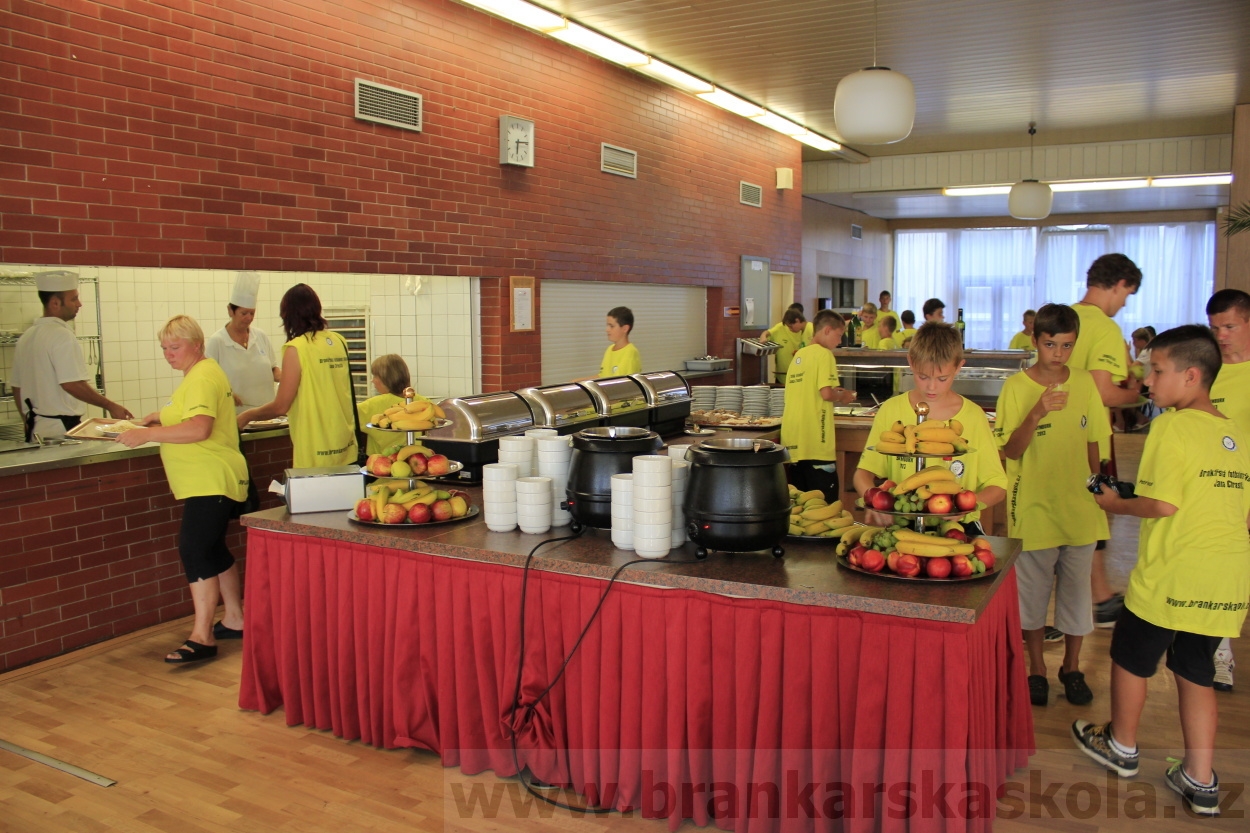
[
  {"x": 1204, "y": 800},
  {"x": 1095, "y": 741},
  {"x": 1075, "y": 689},
  {"x": 1039, "y": 690},
  {"x": 1107, "y": 612},
  {"x": 1053, "y": 634}
]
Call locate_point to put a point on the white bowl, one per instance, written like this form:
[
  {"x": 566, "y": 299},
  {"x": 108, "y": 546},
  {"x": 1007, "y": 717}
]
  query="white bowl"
[
  {"x": 652, "y": 479},
  {"x": 535, "y": 529},
  {"x": 555, "y": 444},
  {"x": 653, "y": 516},
  {"x": 509, "y": 521},
  {"x": 499, "y": 487},
  {"x": 500, "y": 526},
  {"x": 517, "y": 442},
  {"x": 499, "y": 471},
  {"x": 653, "y": 462},
  {"x": 533, "y": 484},
  {"x": 536, "y": 433},
  {"x": 625, "y": 542},
  {"x": 680, "y": 469},
  {"x": 647, "y": 504},
  {"x": 658, "y": 532},
  {"x": 678, "y": 452},
  {"x": 647, "y": 550},
  {"x": 499, "y": 507}
]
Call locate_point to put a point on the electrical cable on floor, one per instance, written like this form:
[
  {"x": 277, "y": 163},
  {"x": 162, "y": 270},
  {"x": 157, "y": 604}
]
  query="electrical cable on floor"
[{"x": 530, "y": 708}]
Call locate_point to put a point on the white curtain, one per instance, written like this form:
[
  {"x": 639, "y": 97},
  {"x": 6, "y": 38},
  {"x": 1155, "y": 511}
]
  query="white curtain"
[{"x": 995, "y": 274}]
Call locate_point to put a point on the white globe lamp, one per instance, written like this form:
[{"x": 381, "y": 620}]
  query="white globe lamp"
[
  {"x": 1030, "y": 199},
  {"x": 875, "y": 106}
]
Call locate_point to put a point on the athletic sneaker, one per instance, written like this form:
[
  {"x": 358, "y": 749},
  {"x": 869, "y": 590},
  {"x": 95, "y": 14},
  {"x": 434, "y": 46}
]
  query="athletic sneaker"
[
  {"x": 1202, "y": 799},
  {"x": 1107, "y": 612},
  {"x": 1095, "y": 741},
  {"x": 1224, "y": 670},
  {"x": 1053, "y": 634}
]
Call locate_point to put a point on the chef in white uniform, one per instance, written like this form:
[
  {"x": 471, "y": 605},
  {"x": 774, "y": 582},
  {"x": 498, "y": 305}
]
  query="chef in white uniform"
[
  {"x": 244, "y": 351},
  {"x": 51, "y": 384}
]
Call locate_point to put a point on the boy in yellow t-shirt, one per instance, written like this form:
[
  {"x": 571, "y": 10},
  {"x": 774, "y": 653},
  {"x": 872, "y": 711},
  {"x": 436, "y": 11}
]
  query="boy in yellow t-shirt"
[
  {"x": 868, "y": 335},
  {"x": 1048, "y": 417},
  {"x": 1023, "y": 340},
  {"x": 390, "y": 379},
  {"x": 935, "y": 357},
  {"x": 790, "y": 334},
  {"x": 621, "y": 358},
  {"x": 908, "y": 332},
  {"x": 812, "y": 389},
  {"x": 886, "y": 327},
  {"x": 1192, "y": 579}
]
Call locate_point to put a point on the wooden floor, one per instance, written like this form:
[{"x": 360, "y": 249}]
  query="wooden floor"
[{"x": 186, "y": 759}]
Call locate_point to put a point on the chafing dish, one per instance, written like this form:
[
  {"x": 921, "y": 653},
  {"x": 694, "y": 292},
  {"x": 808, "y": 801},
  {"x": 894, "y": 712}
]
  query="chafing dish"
[
  {"x": 668, "y": 394},
  {"x": 567, "y": 408},
  {"x": 620, "y": 401},
  {"x": 477, "y": 423}
]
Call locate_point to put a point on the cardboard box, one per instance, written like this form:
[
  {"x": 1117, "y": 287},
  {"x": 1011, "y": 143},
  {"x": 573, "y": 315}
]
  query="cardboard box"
[{"x": 328, "y": 489}]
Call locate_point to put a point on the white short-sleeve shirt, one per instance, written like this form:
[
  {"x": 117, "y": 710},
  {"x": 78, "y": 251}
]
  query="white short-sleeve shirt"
[
  {"x": 48, "y": 355},
  {"x": 249, "y": 370}
]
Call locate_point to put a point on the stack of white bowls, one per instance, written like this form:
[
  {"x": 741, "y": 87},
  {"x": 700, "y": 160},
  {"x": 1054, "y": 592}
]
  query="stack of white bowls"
[
  {"x": 680, "y": 470},
  {"x": 520, "y": 451},
  {"x": 533, "y": 504},
  {"x": 499, "y": 496},
  {"x": 653, "y": 505},
  {"x": 678, "y": 452},
  {"x": 555, "y": 453},
  {"x": 539, "y": 433},
  {"x": 623, "y": 511}
]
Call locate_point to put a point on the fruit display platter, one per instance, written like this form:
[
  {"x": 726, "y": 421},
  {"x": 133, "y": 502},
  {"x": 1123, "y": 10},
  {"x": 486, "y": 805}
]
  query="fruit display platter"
[
  {"x": 453, "y": 466},
  {"x": 903, "y": 455},
  {"x": 438, "y": 422},
  {"x": 826, "y": 538},
  {"x": 472, "y": 512},
  {"x": 845, "y": 564},
  {"x": 949, "y": 516}
]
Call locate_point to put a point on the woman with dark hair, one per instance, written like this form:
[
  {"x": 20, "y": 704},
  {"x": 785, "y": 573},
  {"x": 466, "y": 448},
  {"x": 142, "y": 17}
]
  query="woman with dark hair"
[{"x": 315, "y": 392}]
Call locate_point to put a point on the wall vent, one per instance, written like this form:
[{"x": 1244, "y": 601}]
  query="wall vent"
[
  {"x": 857, "y": 232},
  {"x": 388, "y": 105},
  {"x": 619, "y": 161},
  {"x": 749, "y": 194}
]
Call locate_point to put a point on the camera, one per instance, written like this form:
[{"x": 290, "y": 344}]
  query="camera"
[{"x": 1097, "y": 481}]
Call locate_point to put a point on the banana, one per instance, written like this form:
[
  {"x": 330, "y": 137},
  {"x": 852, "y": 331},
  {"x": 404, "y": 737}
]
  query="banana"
[
  {"x": 936, "y": 434},
  {"x": 439, "y": 413},
  {"x": 930, "y": 474},
  {"x": 944, "y": 487},
  {"x": 379, "y": 500},
  {"x": 961, "y": 445},
  {"x": 804, "y": 497},
  {"x": 897, "y": 427},
  {"x": 795, "y": 511},
  {"x": 865, "y": 537},
  {"x": 845, "y": 533},
  {"x": 402, "y": 424},
  {"x": 924, "y": 550},
  {"x": 909, "y": 439},
  {"x": 925, "y": 492},
  {"x": 891, "y": 448},
  {"x": 427, "y": 498},
  {"x": 926, "y": 447},
  {"x": 823, "y": 513},
  {"x": 956, "y": 426},
  {"x": 384, "y": 422},
  {"x": 947, "y": 526},
  {"x": 814, "y": 528},
  {"x": 840, "y": 522},
  {"x": 377, "y": 418},
  {"x": 891, "y": 437},
  {"x": 409, "y": 450},
  {"x": 420, "y": 408}
]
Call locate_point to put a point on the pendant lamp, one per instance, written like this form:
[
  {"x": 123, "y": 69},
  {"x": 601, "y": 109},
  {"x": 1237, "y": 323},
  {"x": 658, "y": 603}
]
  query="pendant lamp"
[
  {"x": 875, "y": 106},
  {"x": 1030, "y": 199}
]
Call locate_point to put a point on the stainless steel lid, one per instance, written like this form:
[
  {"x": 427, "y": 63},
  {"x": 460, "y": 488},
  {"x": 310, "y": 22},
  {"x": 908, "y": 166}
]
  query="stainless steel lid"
[
  {"x": 615, "y": 432},
  {"x": 485, "y": 417},
  {"x": 663, "y": 387},
  {"x": 739, "y": 444},
  {"x": 616, "y": 395},
  {"x": 555, "y": 406}
]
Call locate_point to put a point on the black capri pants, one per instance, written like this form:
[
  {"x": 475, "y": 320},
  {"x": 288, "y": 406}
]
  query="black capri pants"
[{"x": 202, "y": 539}]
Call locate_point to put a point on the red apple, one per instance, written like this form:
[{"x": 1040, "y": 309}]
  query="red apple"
[
  {"x": 891, "y": 561},
  {"x": 393, "y": 513},
  {"x": 869, "y": 495},
  {"x": 418, "y": 463},
  {"x": 957, "y": 534},
  {"x": 937, "y": 567},
  {"x": 441, "y": 509},
  {"x": 364, "y": 510},
  {"x": 987, "y": 558},
  {"x": 872, "y": 560},
  {"x": 888, "y": 486},
  {"x": 981, "y": 544},
  {"x": 420, "y": 513},
  {"x": 381, "y": 467},
  {"x": 939, "y": 505},
  {"x": 960, "y": 565},
  {"x": 966, "y": 500},
  {"x": 883, "y": 501},
  {"x": 437, "y": 465},
  {"x": 907, "y": 565},
  {"x": 855, "y": 554}
]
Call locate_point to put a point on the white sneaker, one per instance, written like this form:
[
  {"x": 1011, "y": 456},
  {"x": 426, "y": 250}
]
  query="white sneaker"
[{"x": 1224, "y": 669}]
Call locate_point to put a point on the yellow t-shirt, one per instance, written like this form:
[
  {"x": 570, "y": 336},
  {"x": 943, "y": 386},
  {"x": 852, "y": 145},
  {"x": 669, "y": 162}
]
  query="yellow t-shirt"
[
  {"x": 378, "y": 440},
  {"x": 1100, "y": 346},
  {"x": 1231, "y": 394},
  {"x": 791, "y": 343},
  {"x": 214, "y": 466},
  {"x": 623, "y": 362},
  {"x": 323, "y": 427},
  {"x": 887, "y": 344},
  {"x": 898, "y": 322},
  {"x": 870, "y": 338},
  {"x": 807, "y": 422},
  {"x": 1193, "y": 569},
  {"x": 907, "y": 335},
  {"x": 980, "y": 468},
  {"x": 1047, "y": 502},
  {"x": 1021, "y": 341},
  {"x": 809, "y": 333}
]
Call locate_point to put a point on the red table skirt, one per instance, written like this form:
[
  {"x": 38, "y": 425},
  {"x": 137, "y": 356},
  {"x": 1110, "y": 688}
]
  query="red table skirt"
[{"x": 752, "y": 715}]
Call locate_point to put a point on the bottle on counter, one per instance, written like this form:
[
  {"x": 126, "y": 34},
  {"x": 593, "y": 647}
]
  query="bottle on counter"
[
  {"x": 959, "y": 325},
  {"x": 851, "y": 337}
]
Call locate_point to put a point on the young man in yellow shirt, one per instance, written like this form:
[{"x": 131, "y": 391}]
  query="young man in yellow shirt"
[
  {"x": 885, "y": 333},
  {"x": 935, "y": 357},
  {"x": 908, "y": 331},
  {"x": 1023, "y": 340},
  {"x": 1228, "y": 314},
  {"x": 621, "y": 358},
  {"x": 883, "y": 309},
  {"x": 789, "y": 333},
  {"x": 868, "y": 335},
  {"x": 1048, "y": 417},
  {"x": 1192, "y": 577},
  {"x": 812, "y": 389}
]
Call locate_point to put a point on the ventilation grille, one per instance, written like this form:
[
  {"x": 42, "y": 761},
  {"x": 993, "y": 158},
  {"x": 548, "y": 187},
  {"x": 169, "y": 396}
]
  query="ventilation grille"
[
  {"x": 387, "y": 105},
  {"x": 857, "y": 232},
  {"x": 619, "y": 161},
  {"x": 749, "y": 194}
]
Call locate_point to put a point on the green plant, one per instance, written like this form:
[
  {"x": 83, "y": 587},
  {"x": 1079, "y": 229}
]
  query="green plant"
[{"x": 1238, "y": 220}]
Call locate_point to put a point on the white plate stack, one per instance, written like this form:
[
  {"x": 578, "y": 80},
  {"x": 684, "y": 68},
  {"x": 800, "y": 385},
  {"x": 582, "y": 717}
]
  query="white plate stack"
[
  {"x": 681, "y": 469},
  {"x": 755, "y": 401},
  {"x": 533, "y": 504},
  {"x": 623, "y": 511},
  {"x": 653, "y": 505},
  {"x": 499, "y": 496},
  {"x": 519, "y": 451},
  {"x": 703, "y": 398},
  {"x": 729, "y": 398},
  {"x": 776, "y": 401},
  {"x": 555, "y": 453}
]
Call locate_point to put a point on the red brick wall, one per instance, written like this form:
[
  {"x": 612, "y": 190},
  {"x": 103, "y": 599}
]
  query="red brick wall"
[
  {"x": 91, "y": 552},
  {"x": 220, "y": 134}
]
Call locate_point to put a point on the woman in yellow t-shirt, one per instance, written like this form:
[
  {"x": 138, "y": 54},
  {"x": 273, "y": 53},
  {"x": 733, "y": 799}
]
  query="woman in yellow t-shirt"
[
  {"x": 390, "y": 378},
  {"x": 200, "y": 451},
  {"x": 316, "y": 387}
]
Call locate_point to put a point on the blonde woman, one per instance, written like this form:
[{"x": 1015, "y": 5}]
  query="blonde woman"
[{"x": 200, "y": 451}]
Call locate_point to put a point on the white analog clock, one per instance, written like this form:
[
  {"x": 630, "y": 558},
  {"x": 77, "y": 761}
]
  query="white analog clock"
[{"x": 516, "y": 141}]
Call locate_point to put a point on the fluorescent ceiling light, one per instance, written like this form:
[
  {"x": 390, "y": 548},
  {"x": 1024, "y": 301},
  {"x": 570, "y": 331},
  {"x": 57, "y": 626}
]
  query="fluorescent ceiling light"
[
  {"x": 518, "y": 11},
  {"x": 732, "y": 103},
  {"x": 1178, "y": 181},
  {"x": 1100, "y": 185},
  {"x": 596, "y": 44},
  {"x": 781, "y": 125},
  {"x": 977, "y": 191},
  {"x": 676, "y": 77},
  {"x": 817, "y": 141}
]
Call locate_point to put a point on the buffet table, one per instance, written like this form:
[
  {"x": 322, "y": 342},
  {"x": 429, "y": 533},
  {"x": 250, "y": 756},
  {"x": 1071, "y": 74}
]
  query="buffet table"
[{"x": 743, "y": 691}]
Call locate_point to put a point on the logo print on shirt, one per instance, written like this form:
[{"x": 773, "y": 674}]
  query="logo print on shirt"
[
  {"x": 329, "y": 341},
  {"x": 798, "y": 360},
  {"x": 1084, "y": 420},
  {"x": 957, "y": 468},
  {"x": 1229, "y": 443}
]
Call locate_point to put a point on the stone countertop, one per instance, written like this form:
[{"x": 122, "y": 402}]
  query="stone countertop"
[
  {"x": 89, "y": 452},
  {"x": 807, "y": 575}
]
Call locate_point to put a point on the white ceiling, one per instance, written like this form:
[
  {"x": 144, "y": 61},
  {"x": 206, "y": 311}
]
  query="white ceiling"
[{"x": 1085, "y": 70}]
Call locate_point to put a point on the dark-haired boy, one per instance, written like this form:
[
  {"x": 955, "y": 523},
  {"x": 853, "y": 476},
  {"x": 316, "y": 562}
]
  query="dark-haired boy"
[
  {"x": 934, "y": 310},
  {"x": 1192, "y": 578},
  {"x": 789, "y": 333}
]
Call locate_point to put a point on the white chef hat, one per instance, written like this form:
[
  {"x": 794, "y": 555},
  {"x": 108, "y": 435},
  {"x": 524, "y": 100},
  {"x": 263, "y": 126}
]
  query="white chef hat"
[
  {"x": 246, "y": 287},
  {"x": 56, "y": 280}
]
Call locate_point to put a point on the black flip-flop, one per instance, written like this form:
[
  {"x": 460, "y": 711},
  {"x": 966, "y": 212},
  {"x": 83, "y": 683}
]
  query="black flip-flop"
[
  {"x": 192, "y": 652},
  {"x": 220, "y": 631}
]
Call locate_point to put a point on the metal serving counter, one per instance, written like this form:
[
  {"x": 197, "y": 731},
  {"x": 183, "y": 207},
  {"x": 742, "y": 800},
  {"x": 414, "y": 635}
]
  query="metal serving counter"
[{"x": 981, "y": 378}]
